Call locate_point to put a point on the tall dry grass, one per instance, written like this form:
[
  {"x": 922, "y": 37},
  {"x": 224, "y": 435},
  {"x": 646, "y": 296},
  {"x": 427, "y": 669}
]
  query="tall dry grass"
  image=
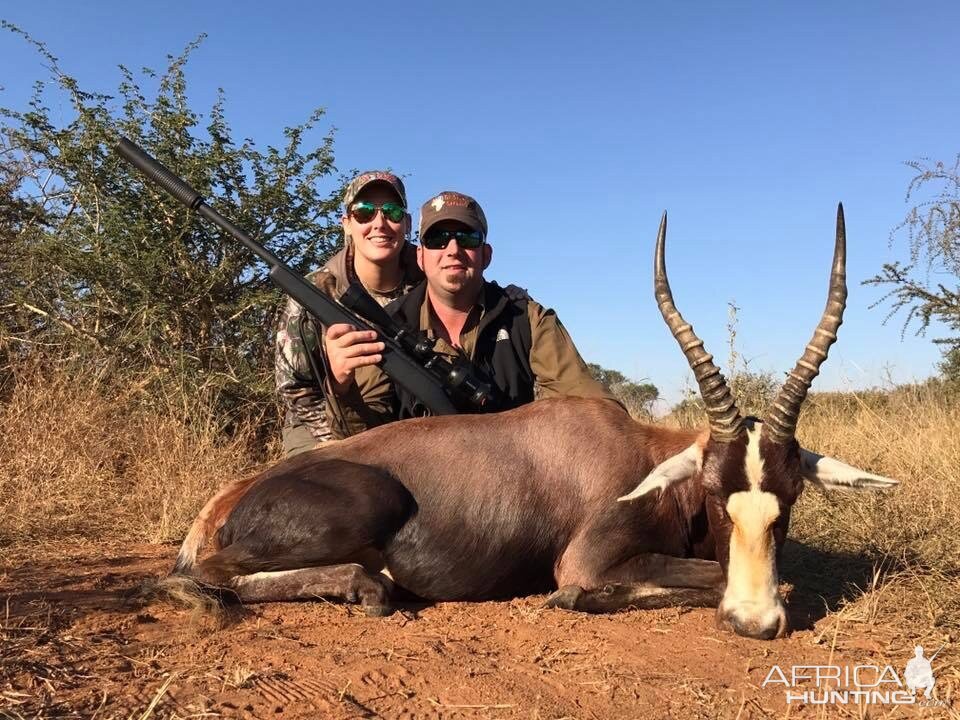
[
  {"x": 911, "y": 433},
  {"x": 910, "y": 535},
  {"x": 82, "y": 456}
]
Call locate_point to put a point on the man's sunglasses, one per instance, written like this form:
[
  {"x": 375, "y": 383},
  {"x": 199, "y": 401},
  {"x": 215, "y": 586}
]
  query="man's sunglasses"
[
  {"x": 435, "y": 239},
  {"x": 365, "y": 212}
]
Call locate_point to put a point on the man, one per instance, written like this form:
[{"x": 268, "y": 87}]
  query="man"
[
  {"x": 517, "y": 343},
  {"x": 375, "y": 253}
]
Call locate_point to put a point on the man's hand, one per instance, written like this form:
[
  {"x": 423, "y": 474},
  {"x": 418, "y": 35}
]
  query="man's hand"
[{"x": 348, "y": 349}]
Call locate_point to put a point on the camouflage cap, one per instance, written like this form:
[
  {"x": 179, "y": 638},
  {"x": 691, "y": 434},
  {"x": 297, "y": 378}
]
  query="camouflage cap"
[
  {"x": 371, "y": 176},
  {"x": 450, "y": 205}
]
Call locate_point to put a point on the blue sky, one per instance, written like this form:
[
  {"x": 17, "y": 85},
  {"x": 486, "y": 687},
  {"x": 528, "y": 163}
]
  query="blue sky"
[{"x": 576, "y": 124}]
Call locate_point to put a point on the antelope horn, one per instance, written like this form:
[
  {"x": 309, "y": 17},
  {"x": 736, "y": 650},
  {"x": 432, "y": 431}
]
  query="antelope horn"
[
  {"x": 781, "y": 420},
  {"x": 719, "y": 403}
]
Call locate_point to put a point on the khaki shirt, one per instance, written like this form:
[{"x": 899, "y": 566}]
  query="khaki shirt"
[{"x": 556, "y": 364}]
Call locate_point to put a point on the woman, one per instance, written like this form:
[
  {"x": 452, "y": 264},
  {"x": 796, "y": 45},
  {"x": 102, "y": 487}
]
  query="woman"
[{"x": 376, "y": 253}]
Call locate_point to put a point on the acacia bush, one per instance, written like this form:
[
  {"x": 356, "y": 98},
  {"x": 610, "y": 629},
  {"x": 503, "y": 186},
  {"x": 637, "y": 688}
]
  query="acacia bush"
[
  {"x": 100, "y": 270},
  {"x": 927, "y": 287}
]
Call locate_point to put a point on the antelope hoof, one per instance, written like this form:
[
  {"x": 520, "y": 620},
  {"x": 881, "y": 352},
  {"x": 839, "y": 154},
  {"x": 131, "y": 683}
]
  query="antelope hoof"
[
  {"x": 565, "y": 598},
  {"x": 377, "y": 610}
]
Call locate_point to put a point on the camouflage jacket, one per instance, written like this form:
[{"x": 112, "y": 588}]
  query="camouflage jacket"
[{"x": 300, "y": 361}]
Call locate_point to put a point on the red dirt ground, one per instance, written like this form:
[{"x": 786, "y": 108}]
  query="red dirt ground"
[{"x": 75, "y": 645}]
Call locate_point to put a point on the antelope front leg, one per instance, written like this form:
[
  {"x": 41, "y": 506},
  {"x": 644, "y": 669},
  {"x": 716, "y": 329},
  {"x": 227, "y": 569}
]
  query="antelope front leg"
[
  {"x": 647, "y": 581},
  {"x": 614, "y": 597},
  {"x": 666, "y": 571}
]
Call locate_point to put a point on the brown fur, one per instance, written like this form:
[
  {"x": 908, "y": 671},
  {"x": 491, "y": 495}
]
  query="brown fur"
[
  {"x": 210, "y": 519},
  {"x": 569, "y": 487}
]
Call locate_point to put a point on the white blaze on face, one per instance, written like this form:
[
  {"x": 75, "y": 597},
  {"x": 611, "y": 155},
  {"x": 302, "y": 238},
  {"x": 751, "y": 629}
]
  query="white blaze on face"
[{"x": 751, "y": 594}]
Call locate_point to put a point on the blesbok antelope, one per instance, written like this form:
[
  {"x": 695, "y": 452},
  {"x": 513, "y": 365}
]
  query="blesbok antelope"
[{"x": 567, "y": 494}]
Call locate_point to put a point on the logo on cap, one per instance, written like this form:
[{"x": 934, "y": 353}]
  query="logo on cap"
[
  {"x": 450, "y": 205},
  {"x": 377, "y": 175},
  {"x": 451, "y": 198}
]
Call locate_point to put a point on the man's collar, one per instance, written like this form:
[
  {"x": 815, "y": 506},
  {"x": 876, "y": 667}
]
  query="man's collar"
[{"x": 427, "y": 314}]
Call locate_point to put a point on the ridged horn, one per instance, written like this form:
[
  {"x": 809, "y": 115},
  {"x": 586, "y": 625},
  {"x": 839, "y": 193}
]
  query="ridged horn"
[
  {"x": 781, "y": 421},
  {"x": 721, "y": 408}
]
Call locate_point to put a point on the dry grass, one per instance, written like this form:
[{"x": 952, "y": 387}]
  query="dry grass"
[
  {"x": 80, "y": 458},
  {"x": 911, "y": 434},
  {"x": 912, "y": 534}
]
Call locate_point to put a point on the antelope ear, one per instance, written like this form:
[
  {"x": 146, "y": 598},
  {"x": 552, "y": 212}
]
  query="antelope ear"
[
  {"x": 679, "y": 467},
  {"x": 830, "y": 474}
]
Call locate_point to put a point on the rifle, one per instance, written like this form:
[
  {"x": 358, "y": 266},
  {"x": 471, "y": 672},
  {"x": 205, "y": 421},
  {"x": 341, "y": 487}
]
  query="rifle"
[{"x": 444, "y": 386}]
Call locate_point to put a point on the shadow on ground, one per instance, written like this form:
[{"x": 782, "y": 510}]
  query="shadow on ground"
[{"x": 822, "y": 581}]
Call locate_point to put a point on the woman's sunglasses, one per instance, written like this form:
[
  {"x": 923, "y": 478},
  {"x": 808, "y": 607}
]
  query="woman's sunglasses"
[
  {"x": 435, "y": 239},
  {"x": 365, "y": 212}
]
